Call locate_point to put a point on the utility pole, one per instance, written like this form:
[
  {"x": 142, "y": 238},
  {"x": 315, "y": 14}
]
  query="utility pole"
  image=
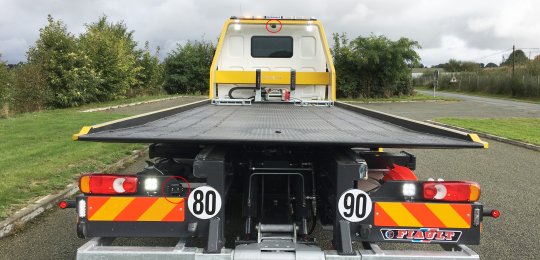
[
  {"x": 513, "y": 60},
  {"x": 436, "y": 83}
]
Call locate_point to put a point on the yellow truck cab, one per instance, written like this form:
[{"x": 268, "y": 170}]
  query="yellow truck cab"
[{"x": 290, "y": 58}]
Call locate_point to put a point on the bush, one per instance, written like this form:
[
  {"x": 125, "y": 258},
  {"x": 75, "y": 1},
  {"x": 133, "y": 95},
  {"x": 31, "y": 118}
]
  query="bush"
[
  {"x": 374, "y": 66},
  {"x": 187, "y": 69}
]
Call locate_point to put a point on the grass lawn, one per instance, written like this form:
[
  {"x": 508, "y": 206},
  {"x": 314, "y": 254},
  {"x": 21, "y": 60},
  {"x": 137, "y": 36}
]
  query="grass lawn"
[
  {"x": 416, "y": 97},
  {"x": 482, "y": 94},
  {"x": 521, "y": 129},
  {"x": 37, "y": 155}
]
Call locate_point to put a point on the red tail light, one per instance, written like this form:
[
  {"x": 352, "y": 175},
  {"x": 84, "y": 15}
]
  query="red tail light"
[
  {"x": 457, "y": 191},
  {"x": 108, "y": 184},
  {"x": 63, "y": 204}
]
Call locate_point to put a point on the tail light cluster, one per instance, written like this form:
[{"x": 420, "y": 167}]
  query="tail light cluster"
[
  {"x": 108, "y": 184},
  {"x": 455, "y": 191}
]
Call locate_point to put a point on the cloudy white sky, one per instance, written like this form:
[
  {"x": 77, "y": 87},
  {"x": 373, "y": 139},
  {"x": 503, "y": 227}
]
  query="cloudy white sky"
[{"x": 476, "y": 30}]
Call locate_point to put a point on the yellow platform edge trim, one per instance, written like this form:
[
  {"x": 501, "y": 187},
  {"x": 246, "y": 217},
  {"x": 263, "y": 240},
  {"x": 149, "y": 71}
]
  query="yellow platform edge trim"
[
  {"x": 84, "y": 130},
  {"x": 476, "y": 139}
]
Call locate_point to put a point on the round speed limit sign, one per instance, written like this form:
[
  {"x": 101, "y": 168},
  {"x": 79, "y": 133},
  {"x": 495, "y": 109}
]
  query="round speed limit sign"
[
  {"x": 204, "y": 202},
  {"x": 354, "y": 205}
]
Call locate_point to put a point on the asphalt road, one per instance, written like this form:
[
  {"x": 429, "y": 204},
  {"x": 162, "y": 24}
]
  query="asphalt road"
[
  {"x": 492, "y": 101},
  {"x": 507, "y": 174},
  {"x": 475, "y": 106}
]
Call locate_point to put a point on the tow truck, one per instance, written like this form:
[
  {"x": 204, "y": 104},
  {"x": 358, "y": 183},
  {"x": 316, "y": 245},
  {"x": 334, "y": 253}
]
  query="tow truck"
[{"x": 252, "y": 171}]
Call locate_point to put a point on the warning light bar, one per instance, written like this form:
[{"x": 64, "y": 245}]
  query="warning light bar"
[
  {"x": 456, "y": 191},
  {"x": 271, "y": 17},
  {"x": 108, "y": 184}
]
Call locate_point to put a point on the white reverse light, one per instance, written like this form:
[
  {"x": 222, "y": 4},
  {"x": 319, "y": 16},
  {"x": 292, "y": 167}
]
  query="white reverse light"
[
  {"x": 150, "y": 184},
  {"x": 409, "y": 189},
  {"x": 441, "y": 192},
  {"x": 118, "y": 185},
  {"x": 82, "y": 208}
]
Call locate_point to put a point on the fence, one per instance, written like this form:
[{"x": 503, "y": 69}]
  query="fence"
[{"x": 521, "y": 85}]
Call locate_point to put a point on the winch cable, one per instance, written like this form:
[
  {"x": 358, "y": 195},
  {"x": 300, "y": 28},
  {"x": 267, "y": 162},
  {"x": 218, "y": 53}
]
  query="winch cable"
[{"x": 237, "y": 88}]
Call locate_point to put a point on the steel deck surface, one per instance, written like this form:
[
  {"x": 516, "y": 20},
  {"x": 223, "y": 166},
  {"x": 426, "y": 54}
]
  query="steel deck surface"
[{"x": 276, "y": 124}]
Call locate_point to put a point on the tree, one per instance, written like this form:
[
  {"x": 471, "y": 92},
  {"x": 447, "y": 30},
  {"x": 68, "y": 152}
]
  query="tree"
[
  {"x": 151, "y": 74},
  {"x": 491, "y": 65},
  {"x": 374, "y": 66},
  {"x": 187, "y": 67},
  {"x": 470, "y": 66},
  {"x": 6, "y": 86},
  {"x": 29, "y": 88},
  {"x": 65, "y": 69},
  {"x": 348, "y": 80},
  {"x": 113, "y": 56},
  {"x": 519, "y": 57},
  {"x": 458, "y": 66},
  {"x": 452, "y": 65}
]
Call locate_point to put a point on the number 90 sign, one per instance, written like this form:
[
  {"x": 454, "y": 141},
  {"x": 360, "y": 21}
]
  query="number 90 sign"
[
  {"x": 204, "y": 202},
  {"x": 354, "y": 205}
]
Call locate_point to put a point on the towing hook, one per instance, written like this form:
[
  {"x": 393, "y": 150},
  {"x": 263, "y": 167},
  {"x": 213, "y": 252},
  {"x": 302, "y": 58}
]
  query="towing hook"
[
  {"x": 494, "y": 213},
  {"x": 64, "y": 204}
]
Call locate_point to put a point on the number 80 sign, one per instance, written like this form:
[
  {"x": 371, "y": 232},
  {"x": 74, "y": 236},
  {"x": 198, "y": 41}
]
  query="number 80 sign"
[
  {"x": 204, "y": 202},
  {"x": 354, "y": 205}
]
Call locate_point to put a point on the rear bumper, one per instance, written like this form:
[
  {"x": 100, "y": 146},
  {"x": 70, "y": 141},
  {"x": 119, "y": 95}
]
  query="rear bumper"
[{"x": 99, "y": 248}]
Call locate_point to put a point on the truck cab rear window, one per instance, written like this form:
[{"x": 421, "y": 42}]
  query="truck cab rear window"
[{"x": 271, "y": 46}]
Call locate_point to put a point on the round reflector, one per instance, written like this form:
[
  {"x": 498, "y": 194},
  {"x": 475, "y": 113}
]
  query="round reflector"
[{"x": 63, "y": 204}]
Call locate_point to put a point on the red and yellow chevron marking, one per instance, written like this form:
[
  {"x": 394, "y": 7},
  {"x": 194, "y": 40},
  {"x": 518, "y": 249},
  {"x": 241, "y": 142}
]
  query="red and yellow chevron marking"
[
  {"x": 135, "y": 209},
  {"x": 435, "y": 215}
]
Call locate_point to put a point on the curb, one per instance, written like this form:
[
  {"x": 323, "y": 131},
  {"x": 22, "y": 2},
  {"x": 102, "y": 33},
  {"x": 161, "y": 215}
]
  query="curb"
[
  {"x": 490, "y": 136},
  {"x": 130, "y": 104},
  {"x": 39, "y": 206}
]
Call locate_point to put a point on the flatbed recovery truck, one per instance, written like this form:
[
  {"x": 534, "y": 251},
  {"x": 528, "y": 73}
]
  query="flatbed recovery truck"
[{"x": 271, "y": 154}]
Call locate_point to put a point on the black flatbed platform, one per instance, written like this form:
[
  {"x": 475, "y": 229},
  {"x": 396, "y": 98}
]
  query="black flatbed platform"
[{"x": 283, "y": 124}]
